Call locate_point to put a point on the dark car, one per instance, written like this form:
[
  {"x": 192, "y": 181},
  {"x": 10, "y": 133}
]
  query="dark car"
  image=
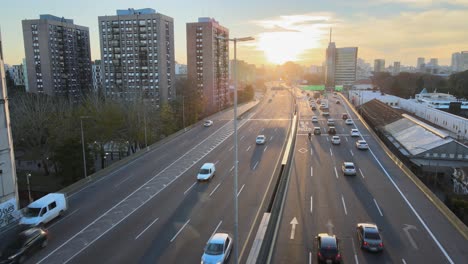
[
  {"x": 24, "y": 245},
  {"x": 369, "y": 237},
  {"x": 331, "y": 130},
  {"x": 328, "y": 249}
]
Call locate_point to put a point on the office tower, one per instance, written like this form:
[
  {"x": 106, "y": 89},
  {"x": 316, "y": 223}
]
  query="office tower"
[
  {"x": 379, "y": 65},
  {"x": 340, "y": 66},
  {"x": 396, "y": 68},
  {"x": 137, "y": 56},
  {"x": 208, "y": 62},
  {"x": 97, "y": 78},
  {"x": 434, "y": 62},
  {"x": 58, "y": 57},
  {"x": 8, "y": 190},
  {"x": 460, "y": 61},
  {"x": 420, "y": 64}
]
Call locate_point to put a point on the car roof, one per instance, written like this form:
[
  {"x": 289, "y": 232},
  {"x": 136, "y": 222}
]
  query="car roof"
[
  {"x": 219, "y": 238},
  {"x": 328, "y": 240},
  {"x": 348, "y": 163},
  {"x": 261, "y": 136},
  {"x": 361, "y": 141},
  {"x": 354, "y": 129},
  {"x": 207, "y": 165},
  {"x": 335, "y": 137}
]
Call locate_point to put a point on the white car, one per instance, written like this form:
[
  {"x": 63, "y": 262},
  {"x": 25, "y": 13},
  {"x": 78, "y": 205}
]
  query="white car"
[
  {"x": 314, "y": 119},
  {"x": 335, "y": 140},
  {"x": 355, "y": 132},
  {"x": 331, "y": 122},
  {"x": 218, "y": 249},
  {"x": 207, "y": 171},
  {"x": 208, "y": 123},
  {"x": 348, "y": 168},
  {"x": 349, "y": 121},
  {"x": 362, "y": 144},
  {"x": 260, "y": 139}
]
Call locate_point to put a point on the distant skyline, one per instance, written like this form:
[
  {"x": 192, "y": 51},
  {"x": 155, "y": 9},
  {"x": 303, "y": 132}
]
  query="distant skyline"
[{"x": 394, "y": 30}]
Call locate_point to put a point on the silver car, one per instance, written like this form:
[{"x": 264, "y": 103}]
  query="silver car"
[
  {"x": 348, "y": 168},
  {"x": 218, "y": 249},
  {"x": 369, "y": 237}
]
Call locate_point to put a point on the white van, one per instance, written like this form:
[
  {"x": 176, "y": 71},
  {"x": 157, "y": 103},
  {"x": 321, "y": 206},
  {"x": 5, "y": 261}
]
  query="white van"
[
  {"x": 207, "y": 171},
  {"x": 44, "y": 210}
]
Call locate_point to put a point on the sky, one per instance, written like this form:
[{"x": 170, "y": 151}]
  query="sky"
[{"x": 294, "y": 30}]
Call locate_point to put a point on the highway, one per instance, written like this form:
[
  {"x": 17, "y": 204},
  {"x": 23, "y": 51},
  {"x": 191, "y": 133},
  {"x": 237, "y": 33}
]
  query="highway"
[
  {"x": 152, "y": 210},
  {"x": 323, "y": 200}
]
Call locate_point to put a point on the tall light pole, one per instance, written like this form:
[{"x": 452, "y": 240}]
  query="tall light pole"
[
  {"x": 83, "y": 145},
  {"x": 29, "y": 187},
  {"x": 236, "y": 205}
]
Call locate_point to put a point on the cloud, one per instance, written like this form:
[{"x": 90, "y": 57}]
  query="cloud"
[{"x": 427, "y": 3}]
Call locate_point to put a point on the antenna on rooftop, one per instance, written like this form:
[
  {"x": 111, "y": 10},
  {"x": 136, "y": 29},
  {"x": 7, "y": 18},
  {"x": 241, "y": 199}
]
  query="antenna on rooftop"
[{"x": 330, "y": 34}]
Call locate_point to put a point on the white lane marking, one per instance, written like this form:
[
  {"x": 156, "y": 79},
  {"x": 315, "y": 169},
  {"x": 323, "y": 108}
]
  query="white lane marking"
[
  {"x": 310, "y": 257},
  {"x": 230, "y": 149},
  {"x": 214, "y": 190},
  {"x": 311, "y": 152},
  {"x": 311, "y": 171},
  {"x": 311, "y": 204},
  {"x": 331, "y": 153},
  {"x": 354, "y": 250},
  {"x": 216, "y": 229},
  {"x": 242, "y": 188},
  {"x": 124, "y": 180},
  {"x": 276, "y": 129},
  {"x": 346, "y": 139},
  {"x": 362, "y": 174},
  {"x": 242, "y": 137},
  {"x": 327, "y": 138},
  {"x": 188, "y": 189},
  {"x": 265, "y": 149},
  {"x": 406, "y": 229},
  {"x": 63, "y": 218},
  {"x": 414, "y": 210},
  {"x": 356, "y": 259},
  {"x": 231, "y": 169},
  {"x": 155, "y": 220},
  {"x": 352, "y": 154},
  {"x": 261, "y": 130},
  {"x": 255, "y": 166},
  {"x": 336, "y": 173},
  {"x": 216, "y": 162},
  {"x": 403, "y": 261},
  {"x": 180, "y": 230},
  {"x": 271, "y": 138},
  {"x": 378, "y": 208},
  {"x": 344, "y": 205},
  {"x": 248, "y": 148}
]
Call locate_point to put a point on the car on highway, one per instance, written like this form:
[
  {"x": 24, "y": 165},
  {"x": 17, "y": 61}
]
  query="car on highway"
[
  {"x": 331, "y": 122},
  {"x": 328, "y": 249},
  {"x": 218, "y": 249},
  {"x": 325, "y": 113},
  {"x": 314, "y": 119},
  {"x": 207, "y": 171},
  {"x": 260, "y": 140},
  {"x": 362, "y": 144},
  {"x": 348, "y": 121},
  {"x": 335, "y": 140},
  {"x": 338, "y": 102},
  {"x": 207, "y": 123},
  {"x": 369, "y": 237},
  {"x": 348, "y": 168},
  {"x": 317, "y": 131},
  {"x": 344, "y": 116},
  {"x": 331, "y": 130},
  {"x": 23, "y": 245},
  {"x": 355, "y": 132},
  {"x": 313, "y": 107}
]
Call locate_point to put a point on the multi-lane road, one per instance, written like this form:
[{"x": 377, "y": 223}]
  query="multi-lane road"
[
  {"x": 152, "y": 210},
  {"x": 323, "y": 200}
]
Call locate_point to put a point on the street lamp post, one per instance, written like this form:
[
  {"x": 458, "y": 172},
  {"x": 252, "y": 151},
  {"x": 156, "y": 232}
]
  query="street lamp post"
[
  {"x": 29, "y": 187},
  {"x": 236, "y": 205},
  {"x": 83, "y": 145}
]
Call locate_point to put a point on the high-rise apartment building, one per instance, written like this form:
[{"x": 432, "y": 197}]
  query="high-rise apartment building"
[
  {"x": 58, "y": 57},
  {"x": 420, "y": 64},
  {"x": 460, "y": 61},
  {"x": 97, "y": 78},
  {"x": 379, "y": 65},
  {"x": 137, "y": 55},
  {"x": 434, "y": 62},
  {"x": 208, "y": 62},
  {"x": 25, "y": 75},
  {"x": 8, "y": 190},
  {"x": 17, "y": 74},
  {"x": 396, "y": 67},
  {"x": 340, "y": 66}
]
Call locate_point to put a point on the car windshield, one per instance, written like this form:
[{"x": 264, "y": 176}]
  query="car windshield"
[
  {"x": 32, "y": 212},
  {"x": 351, "y": 167},
  {"x": 372, "y": 235},
  {"x": 214, "y": 249},
  {"x": 204, "y": 171}
]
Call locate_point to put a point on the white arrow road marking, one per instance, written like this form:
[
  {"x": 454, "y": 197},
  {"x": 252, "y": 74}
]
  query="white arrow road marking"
[
  {"x": 410, "y": 238},
  {"x": 293, "y": 227},
  {"x": 330, "y": 227}
]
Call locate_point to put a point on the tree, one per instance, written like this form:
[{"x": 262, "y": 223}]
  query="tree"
[{"x": 168, "y": 125}]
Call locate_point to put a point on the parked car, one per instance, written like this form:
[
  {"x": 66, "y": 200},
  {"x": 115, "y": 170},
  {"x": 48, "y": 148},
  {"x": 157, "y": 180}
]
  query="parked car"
[
  {"x": 44, "y": 210},
  {"x": 369, "y": 237},
  {"x": 348, "y": 121},
  {"x": 348, "y": 168},
  {"x": 218, "y": 249},
  {"x": 208, "y": 123},
  {"x": 362, "y": 144},
  {"x": 207, "y": 171},
  {"x": 24, "y": 245},
  {"x": 260, "y": 139},
  {"x": 314, "y": 119},
  {"x": 335, "y": 140},
  {"x": 331, "y": 130},
  {"x": 328, "y": 249},
  {"x": 355, "y": 132},
  {"x": 317, "y": 131}
]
